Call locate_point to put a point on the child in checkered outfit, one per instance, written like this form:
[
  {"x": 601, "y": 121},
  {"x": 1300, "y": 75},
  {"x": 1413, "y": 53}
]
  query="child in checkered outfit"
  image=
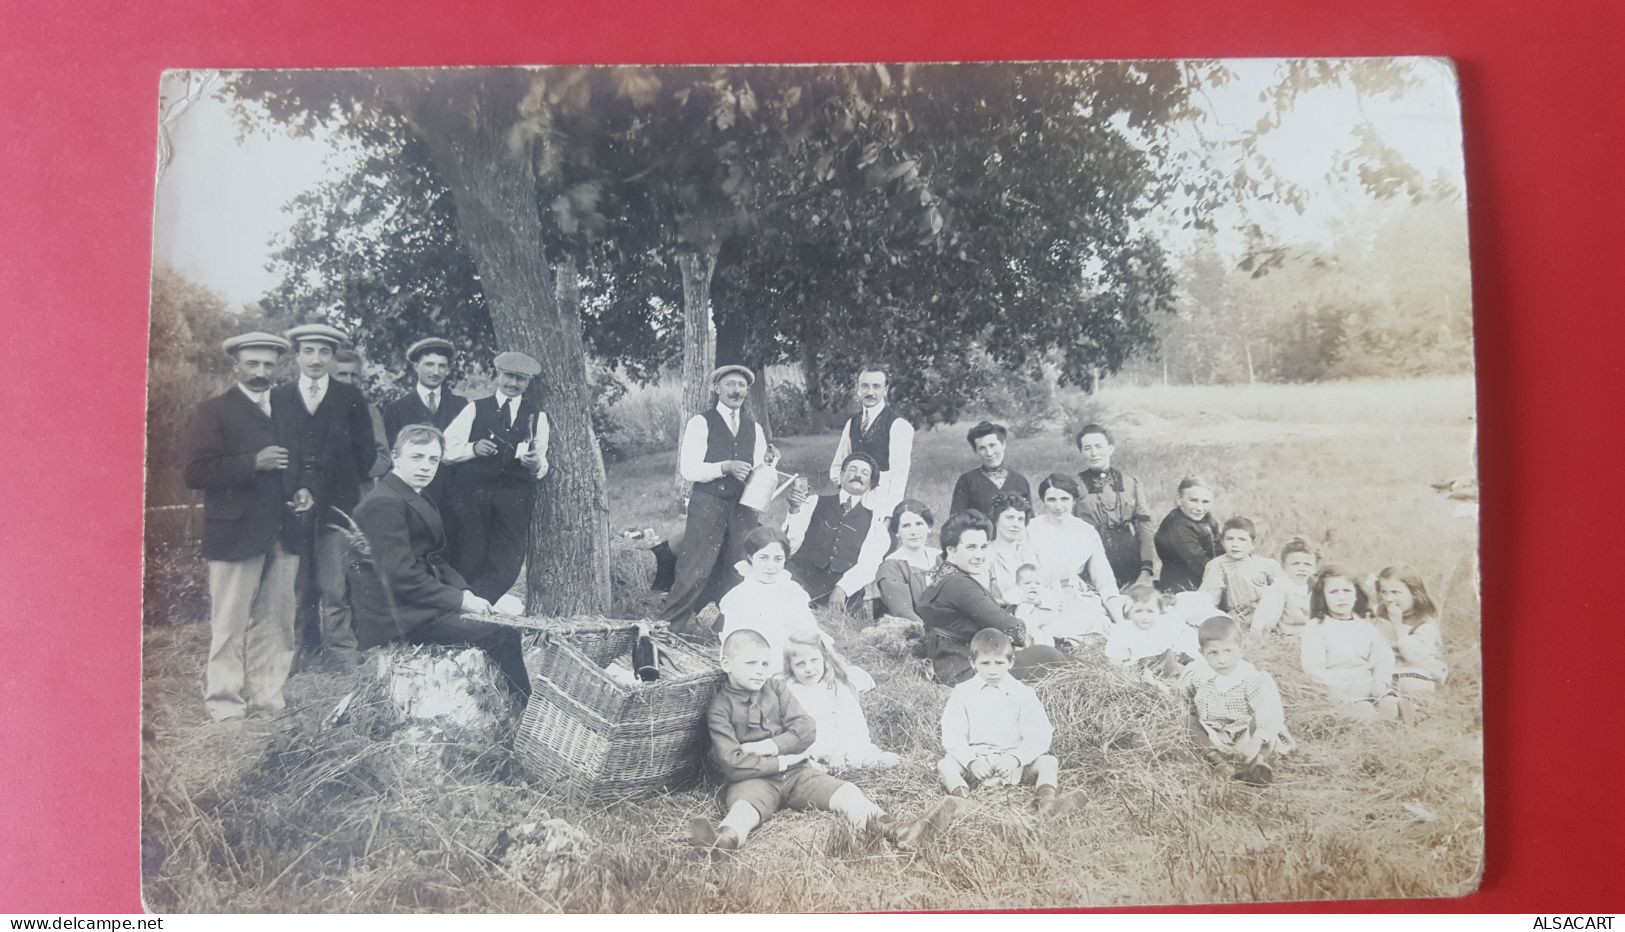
[{"x": 1236, "y": 708}]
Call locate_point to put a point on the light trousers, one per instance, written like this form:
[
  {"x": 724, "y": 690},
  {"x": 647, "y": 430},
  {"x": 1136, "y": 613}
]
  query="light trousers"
[{"x": 251, "y": 622}]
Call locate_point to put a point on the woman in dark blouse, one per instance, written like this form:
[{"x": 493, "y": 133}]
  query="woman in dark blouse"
[
  {"x": 976, "y": 489},
  {"x": 907, "y": 569},
  {"x": 1187, "y": 538},
  {"x": 1116, "y": 504},
  {"x": 957, "y": 605}
]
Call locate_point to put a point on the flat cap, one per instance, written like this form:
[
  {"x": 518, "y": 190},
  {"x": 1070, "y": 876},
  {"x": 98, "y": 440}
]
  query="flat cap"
[
  {"x": 258, "y": 339},
  {"x": 428, "y": 344},
  {"x": 749, "y": 376},
  {"x": 517, "y": 363},
  {"x": 318, "y": 333}
]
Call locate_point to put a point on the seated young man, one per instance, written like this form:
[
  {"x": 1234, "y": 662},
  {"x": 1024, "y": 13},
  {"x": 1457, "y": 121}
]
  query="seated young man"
[
  {"x": 401, "y": 586},
  {"x": 760, "y": 741}
]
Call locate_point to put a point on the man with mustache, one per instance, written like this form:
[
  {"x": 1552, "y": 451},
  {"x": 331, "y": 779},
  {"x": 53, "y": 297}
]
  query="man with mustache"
[
  {"x": 880, "y": 432},
  {"x": 720, "y": 447},
  {"x": 333, "y": 428},
  {"x": 250, "y": 534}
]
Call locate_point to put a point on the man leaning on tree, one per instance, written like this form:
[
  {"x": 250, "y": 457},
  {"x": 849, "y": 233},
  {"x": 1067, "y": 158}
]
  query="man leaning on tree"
[
  {"x": 499, "y": 444},
  {"x": 252, "y": 510}
]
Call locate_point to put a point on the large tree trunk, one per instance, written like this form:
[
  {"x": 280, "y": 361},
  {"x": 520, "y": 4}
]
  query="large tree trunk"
[
  {"x": 495, "y": 193},
  {"x": 699, "y": 341},
  {"x": 758, "y": 400},
  {"x": 811, "y": 378}
]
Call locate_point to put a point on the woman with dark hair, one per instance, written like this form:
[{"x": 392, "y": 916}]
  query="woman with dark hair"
[
  {"x": 976, "y": 489},
  {"x": 1117, "y": 506},
  {"x": 957, "y": 605},
  {"x": 906, "y": 572},
  {"x": 1069, "y": 552},
  {"x": 1009, "y": 550}
]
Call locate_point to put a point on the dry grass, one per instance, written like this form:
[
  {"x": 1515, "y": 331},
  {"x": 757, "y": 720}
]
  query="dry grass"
[{"x": 370, "y": 814}]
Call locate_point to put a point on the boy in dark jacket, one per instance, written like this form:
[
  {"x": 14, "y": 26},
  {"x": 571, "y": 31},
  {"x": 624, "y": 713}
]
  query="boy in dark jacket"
[{"x": 759, "y": 740}]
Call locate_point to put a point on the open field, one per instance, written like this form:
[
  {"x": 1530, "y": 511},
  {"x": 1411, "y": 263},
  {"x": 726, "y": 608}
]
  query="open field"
[{"x": 367, "y": 816}]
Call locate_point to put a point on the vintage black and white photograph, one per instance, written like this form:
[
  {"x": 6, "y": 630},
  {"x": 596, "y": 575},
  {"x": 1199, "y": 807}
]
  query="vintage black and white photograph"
[{"x": 810, "y": 488}]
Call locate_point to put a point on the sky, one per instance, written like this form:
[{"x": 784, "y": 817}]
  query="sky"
[{"x": 220, "y": 198}]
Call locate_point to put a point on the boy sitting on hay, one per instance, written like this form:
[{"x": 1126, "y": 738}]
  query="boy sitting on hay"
[{"x": 760, "y": 738}]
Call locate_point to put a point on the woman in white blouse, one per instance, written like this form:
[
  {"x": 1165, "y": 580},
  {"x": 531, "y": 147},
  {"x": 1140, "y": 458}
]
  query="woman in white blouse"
[
  {"x": 1072, "y": 558},
  {"x": 1009, "y": 550}
]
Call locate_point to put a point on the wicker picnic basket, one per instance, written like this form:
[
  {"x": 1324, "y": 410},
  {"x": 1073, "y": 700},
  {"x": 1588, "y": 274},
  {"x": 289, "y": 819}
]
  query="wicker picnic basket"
[{"x": 589, "y": 735}]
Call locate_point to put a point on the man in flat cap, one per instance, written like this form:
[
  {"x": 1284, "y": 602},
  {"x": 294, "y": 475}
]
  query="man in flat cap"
[
  {"x": 333, "y": 428},
  {"x": 250, "y": 534},
  {"x": 429, "y": 402},
  {"x": 500, "y": 446},
  {"x": 836, "y": 546},
  {"x": 720, "y": 447},
  {"x": 879, "y": 431}
]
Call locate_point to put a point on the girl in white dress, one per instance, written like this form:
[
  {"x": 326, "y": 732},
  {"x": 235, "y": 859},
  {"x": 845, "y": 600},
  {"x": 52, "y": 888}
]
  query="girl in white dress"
[
  {"x": 1410, "y": 622},
  {"x": 771, "y": 603},
  {"x": 820, "y": 681}
]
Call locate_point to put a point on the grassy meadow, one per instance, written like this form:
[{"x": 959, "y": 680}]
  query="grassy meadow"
[{"x": 367, "y": 814}]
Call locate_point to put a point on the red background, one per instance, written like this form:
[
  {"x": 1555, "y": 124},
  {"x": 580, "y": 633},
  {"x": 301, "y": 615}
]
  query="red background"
[{"x": 1541, "y": 85}]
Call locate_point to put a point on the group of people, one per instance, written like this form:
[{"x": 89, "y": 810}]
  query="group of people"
[
  {"x": 996, "y": 607},
  {"x": 403, "y": 518},
  {"x": 298, "y": 473}
]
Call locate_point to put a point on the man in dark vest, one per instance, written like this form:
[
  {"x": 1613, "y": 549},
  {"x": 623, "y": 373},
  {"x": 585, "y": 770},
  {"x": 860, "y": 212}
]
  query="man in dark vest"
[
  {"x": 333, "y": 428},
  {"x": 976, "y": 489},
  {"x": 888, "y": 439},
  {"x": 720, "y": 447},
  {"x": 429, "y": 402},
  {"x": 250, "y": 532},
  {"x": 401, "y": 582},
  {"x": 500, "y": 444},
  {"x": 837, "y": 545}
]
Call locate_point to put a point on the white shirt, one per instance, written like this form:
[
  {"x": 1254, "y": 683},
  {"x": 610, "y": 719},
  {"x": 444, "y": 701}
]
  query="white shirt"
[
  {"x": 312, "y": 402},
  {"x": 891, "y": 485},
  {"x": 697, "y": 436},
  {"x": 459, "y": 449},
  {"x": 981, "y": 719},
  {"x": 870, "y": 553},
  {"x": 439, "y": 393},
  {"x": 262, "y": 400}
]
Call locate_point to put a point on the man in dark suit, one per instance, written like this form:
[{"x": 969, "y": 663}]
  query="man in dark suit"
[
  {"x": 837, "y": 545},
  {"x": 333, "y": 428},
  {"x": 250, "y": 534},
  {"x": 429, "y": 402},
  {"x": 500, "y": 444},
  {"x": 401, "y": 583}
]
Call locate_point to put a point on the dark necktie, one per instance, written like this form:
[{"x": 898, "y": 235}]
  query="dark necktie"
[
  {"x": 434, "y": 402},
  {"x": 846, "y": 506},
  {"x": 507, "y": 413}
]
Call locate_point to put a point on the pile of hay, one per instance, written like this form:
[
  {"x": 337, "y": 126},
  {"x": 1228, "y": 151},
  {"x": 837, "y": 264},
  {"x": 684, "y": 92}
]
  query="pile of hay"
[{"x": 349, "y": 803}]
